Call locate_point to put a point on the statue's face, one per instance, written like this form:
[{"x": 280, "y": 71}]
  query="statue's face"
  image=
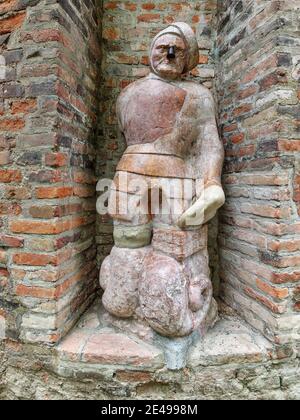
[{"x": 166, "y": 62}]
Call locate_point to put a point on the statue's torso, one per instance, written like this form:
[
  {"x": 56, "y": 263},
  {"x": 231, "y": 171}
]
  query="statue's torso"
[
  {"x": 151, "y": 110},
  {"x": 159, "y": 118}
]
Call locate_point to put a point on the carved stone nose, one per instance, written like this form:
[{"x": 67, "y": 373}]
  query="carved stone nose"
[{"x": 171, "y": 52}]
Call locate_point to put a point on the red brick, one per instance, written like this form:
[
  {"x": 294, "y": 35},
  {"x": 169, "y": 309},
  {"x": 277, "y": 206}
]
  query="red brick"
[
  {"x": 11, "y": 241},
  {"x": 289, "y": 145},
  {"x": 125, "y": 58},
  {"x": 8, "y": 6},
  {"x": 291, "y": 245},
  {"x": 271, "y": 290},
  {"x": 11, "y": 175},
  {"x": 177, "y": 7},
  {"x": 35, "y": 292},
  {"x": 66, "y": 210},
  {"x": 148, "y": 6},
  {"x": 111, "y": 34},
  {"x": 229, "y": 128},
  {"x": 133, "y": 376},
  {"x": 12, "y": 23},
  {"x": 47, "y": 35},
  {"x": 266, "y": 211},
  {"x": 241, "y": 151},
  {"x": 268, "y": 63},
  {"x": 34, "y": 259},
  {"x": 23, "y": 107},
  {"x": 47, "y": 227},
  {"x": 250, "y": 91},
  {"x": 12, "y": 124},
  {"x": 275, "y": 308},
  {"x": 261, "y": 179},
  {"x": 56, "y": 159},
  {"x": 168, "y": 20},
  {"x": 131, "y": 6},
  {"x": 243, "y": 109},
  {"x": 237, "y": 138},
  {"x": 84, "y": 191},
  {"x": 83, "y": 177},
  {"x": 111, "y": 5},
  {"x": 273, "y": 79},
  {"x": 148, "y": 17},
  {"x": 34, "y": 227},
  {"x": 53, "y": 192}
]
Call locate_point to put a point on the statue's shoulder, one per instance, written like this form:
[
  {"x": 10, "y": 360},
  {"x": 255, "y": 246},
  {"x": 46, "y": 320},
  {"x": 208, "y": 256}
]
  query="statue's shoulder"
[
  {"x": 130, "y": 92},
  {"x": 196, "y": 90},
  {"x": 133, "y": 87}
]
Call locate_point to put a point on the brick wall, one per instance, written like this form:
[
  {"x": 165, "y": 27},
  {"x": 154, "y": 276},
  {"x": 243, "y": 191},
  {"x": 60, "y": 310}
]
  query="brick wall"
[
  {"x": 55, "y": 112},
  {"x": 258, "y": 90},
  {"x": 128, "y": 28},
  {"x": 48, "y": 111}
]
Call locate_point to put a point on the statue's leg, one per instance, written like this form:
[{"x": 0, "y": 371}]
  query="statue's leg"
[
  {"x": 175, "y": 290},
  {"x": 201, "y": 302},
  {"x": 119, "y": 277},
  {"x": 120, "y": 271}
]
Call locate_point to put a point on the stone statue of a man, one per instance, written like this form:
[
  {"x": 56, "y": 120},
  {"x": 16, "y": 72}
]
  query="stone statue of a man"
[{"x": 158, "y": 270}]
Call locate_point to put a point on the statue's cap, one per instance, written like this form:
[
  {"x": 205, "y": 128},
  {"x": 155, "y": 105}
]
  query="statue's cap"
[{"x": 183, "y": 30}]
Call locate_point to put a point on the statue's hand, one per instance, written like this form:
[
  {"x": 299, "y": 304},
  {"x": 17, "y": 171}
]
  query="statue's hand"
[{"x": 204, "y": 209}]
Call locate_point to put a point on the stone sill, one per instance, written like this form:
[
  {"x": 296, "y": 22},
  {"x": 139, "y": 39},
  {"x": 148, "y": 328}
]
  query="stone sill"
[{"x": 91, "y": 349}]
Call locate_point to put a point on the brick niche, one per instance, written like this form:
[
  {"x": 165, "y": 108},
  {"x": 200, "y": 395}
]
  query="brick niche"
[{"x": 66, "y": 63}]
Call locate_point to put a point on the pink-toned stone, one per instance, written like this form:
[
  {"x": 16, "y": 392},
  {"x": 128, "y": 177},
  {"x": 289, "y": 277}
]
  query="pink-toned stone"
[
  {"x": 119, "y": 277},
  {"x": 119, "y": 349},
  {"x": 175, "y": 298},
  {"x": 178, "y": 243},
  {"x": 72, "y": 346},
  {"x": 169, "y": 125},
  {"x": 154, "y": 165},
  {"x": 156, "y": 105},
  {"x": 132, "y": 326}
]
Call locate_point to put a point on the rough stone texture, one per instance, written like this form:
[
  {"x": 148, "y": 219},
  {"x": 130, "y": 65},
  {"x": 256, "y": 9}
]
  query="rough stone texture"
[
  {"x": 258, "y": 89},
  {"x": 233, "y": 362},
  {"x": 48, "y": 112}
]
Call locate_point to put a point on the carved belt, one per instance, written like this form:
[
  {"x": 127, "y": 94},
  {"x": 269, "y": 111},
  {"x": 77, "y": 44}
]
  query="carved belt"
[{"x": 165, "y": 166}]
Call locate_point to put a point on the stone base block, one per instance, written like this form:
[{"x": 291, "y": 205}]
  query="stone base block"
[{"x": 116, "y": 344}]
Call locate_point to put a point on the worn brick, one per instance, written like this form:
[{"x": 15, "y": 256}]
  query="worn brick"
[
  {"x": 10, "y": 175},
  {"x": 23, "y": 107},
  {"x": 11, "y": 124},
  {"x": 54, "y": 192},
  {"x": 34, "y": 259},
  {"x": 11, "y": 23}
]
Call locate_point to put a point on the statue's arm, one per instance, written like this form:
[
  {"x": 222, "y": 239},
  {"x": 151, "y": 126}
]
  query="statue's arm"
[{"x": 208, "y": 165}]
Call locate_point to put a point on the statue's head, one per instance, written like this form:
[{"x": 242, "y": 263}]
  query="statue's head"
[{"x": 174, "y": 51}]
